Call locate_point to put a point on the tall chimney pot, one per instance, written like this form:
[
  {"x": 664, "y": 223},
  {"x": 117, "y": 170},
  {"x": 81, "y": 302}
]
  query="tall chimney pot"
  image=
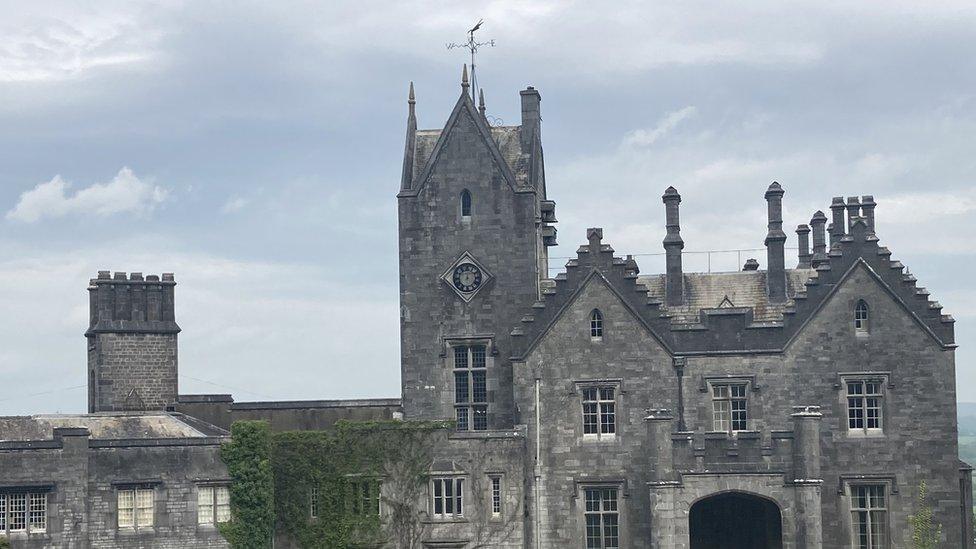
[
  {"x": 775, "y": 243},
  {"x": 674, "y": 290}
]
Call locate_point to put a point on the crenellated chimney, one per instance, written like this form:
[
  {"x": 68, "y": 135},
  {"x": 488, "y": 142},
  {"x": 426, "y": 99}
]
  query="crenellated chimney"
[
  {"x": 819, "y": 239},
  {"x": 837, "y": 224},
  {"x": 853, "y": 211},
  {"x": 531, "y": 118},
  {"x": 673, "y": 245},
  {"x": 775, "y": 242},
  {"x": 867, "y": 210},
  {"x": 803, "y": 241}
]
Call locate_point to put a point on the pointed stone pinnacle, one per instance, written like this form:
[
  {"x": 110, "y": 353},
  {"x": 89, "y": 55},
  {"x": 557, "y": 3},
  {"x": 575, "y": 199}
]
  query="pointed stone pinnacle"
[
  {"x": 464, "y": 77},
  {"x": 410, "y": 97},
  {"x": 481, "y": 101}
]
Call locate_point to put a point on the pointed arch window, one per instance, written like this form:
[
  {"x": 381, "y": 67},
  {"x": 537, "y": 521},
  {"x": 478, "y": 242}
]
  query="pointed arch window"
[
  {"x": 861, "y": 317},
  {"x": 465, "y": 203},
  {"x": 596, "y": 324}
]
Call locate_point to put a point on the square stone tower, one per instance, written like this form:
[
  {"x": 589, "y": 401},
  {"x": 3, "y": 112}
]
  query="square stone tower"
[
  {"x": 132, "y": 358},
  {"x": 474, "y": 228}
]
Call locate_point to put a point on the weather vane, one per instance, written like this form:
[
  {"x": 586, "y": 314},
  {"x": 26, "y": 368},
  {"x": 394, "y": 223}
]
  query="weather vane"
[{"x": 472, "y": 45}]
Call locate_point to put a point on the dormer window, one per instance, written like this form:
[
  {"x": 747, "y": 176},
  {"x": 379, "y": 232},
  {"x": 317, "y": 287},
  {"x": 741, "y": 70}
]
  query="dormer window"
[
  {"x": 861, "y": 321},
  {"x": 465, "y": 204},
  {"x": 596, "y": 325}
]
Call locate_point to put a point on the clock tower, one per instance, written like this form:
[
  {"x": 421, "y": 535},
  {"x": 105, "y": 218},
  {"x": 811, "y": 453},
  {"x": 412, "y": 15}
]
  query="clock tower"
[{"x": 474, "y": 228}]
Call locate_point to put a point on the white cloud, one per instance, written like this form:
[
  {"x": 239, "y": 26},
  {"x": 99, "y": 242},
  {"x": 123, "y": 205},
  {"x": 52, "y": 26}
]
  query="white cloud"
[
  {"x": 646, "y": 138},
  {"x": 69, "y": 42},
  {"x": 256, "y": 325},
  {"x": 234, "y": 204},
  {"x": 124, "y": 193}
]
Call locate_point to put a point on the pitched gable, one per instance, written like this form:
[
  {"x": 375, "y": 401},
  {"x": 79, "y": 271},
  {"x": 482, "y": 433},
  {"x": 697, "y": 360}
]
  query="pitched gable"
[{"x": 427, "y": 157}]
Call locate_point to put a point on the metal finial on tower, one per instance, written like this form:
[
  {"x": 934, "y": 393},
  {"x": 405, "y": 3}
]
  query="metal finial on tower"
[
  {"x": 472, "y": 45},
  {"x": 481, "y": 102}
]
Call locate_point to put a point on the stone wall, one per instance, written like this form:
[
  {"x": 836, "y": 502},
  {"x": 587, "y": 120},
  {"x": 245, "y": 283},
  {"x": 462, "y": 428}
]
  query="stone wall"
[
  {"x": 300, "y": 415},
  {"x": 501, "y": 234},
  {"x": 135, "y": 371},
  {"x": 82, "y": 477}
]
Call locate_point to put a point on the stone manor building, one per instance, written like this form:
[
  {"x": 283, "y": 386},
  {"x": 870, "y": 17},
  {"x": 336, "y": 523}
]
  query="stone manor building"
[{"x": 794, "y": 407}]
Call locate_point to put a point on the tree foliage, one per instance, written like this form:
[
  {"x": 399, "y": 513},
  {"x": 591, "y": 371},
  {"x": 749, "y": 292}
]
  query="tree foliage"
[
  {"x": 926, "y": 533},
  {"x": 248, "y": 459},
  {"x": 4, "y": 543}
]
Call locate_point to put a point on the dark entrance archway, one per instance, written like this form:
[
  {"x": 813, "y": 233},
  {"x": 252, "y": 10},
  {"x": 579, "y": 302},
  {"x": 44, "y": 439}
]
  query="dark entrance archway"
[{"x": 735, "y": 520}]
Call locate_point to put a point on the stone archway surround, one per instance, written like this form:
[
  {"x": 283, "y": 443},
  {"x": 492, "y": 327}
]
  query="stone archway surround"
[{"x": 671, "y": 504}]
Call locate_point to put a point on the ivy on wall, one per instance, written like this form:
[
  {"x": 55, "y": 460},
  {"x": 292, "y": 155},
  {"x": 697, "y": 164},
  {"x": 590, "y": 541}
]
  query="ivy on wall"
[
  {"x": 248, "y": 459},
  {"x": 344, "y": 468}
]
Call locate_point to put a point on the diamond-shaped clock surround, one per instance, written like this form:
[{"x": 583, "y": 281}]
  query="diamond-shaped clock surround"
[{"x": 466, "y": 259}]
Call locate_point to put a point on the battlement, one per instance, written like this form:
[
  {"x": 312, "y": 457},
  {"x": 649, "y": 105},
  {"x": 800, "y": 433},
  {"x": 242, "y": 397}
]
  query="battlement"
[{"x": 132, "y": 303}]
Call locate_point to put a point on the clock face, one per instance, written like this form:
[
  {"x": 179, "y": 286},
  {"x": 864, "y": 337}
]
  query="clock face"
[{"x": 467, "y": 277}]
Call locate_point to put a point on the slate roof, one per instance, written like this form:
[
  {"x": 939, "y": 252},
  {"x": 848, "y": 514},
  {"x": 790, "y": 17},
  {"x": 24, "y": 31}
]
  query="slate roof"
[
  {"x": 108, "y": 426},
  {"x": 742, "y": 288},
  {"x": 751, "y": 325}
]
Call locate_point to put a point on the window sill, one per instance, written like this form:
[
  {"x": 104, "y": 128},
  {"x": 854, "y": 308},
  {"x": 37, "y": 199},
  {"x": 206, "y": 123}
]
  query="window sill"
[
  {"x": 145, "y": 531},
  {"x": 861, "y": 434},
  {"x": 599, "y": 438},
  {"x": 446, "y": 520}
]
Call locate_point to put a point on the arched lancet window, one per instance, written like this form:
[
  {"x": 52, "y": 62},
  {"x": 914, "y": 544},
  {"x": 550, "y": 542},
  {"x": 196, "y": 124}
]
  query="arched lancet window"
[
  {"x": 596, "y": 324},
  {"x": 861, "y": 317},
  {"x": 465, "y": 203}
]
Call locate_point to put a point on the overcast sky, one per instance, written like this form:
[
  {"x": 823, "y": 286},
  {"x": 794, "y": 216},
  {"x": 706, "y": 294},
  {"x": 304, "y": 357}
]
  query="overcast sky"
[{"x": 254, "y": 149}]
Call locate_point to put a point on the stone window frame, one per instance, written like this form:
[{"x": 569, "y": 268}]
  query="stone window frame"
[
  {"x": 582, "y": 485},
  {"x": 862, "y": 323},
  {"x": 215, "y": 506},
  {"x": 465, "y": 205},
  {"x": 136, "y": 488},
  {"x": 884, "y": 382},
  {"x": 314, "y": 501},
  {"x": 846, "y": 485},
  {"x": 597, "y": 325},
  {"x": 456, "y": 479},
  {"x": 449, "y": 358},
  {"x": 355, "y": 481},
  {"x": 708, "y": 382},
  {"x": 618, "y": 391},
  {"x": 496, "y": 495},
  {"x": 35, "y": 500}
]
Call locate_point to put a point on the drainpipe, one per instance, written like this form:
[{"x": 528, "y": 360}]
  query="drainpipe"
[{"x": 538, "y": 467}]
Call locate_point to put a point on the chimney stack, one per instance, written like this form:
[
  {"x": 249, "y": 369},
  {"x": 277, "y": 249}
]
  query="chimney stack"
[
  {"x": 775, "y": 242},
  {"x": 819, "y": 239},
  {"x": 837, "y": 224},
  {"x": 673, "y": 244},
  {"x": 803, "y": 240},
  {"x": 853, "y": 212},
  {"x": 867, "y": 210},
  {"x": 531, "y": 118}
]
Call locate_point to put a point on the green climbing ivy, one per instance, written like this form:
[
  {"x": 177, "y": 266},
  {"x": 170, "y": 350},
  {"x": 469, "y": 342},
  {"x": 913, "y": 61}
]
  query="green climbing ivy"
[
  {"x": 342, "y": 469},
  {"x": 926, "y": 533},
  {"x": 248, "y": 459},
  {"x": 4, "y": 543}
]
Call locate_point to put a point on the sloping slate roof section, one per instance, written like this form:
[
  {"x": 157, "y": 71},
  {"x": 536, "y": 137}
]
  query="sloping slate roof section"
[{"x": 753, "y": 325}]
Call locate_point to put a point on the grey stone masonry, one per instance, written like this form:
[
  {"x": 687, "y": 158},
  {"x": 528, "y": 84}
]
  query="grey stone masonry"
[
  {"x": 132, "y": 349},
  {"x": 505, "y": 235},
  {"x": 80, "y": 477}
]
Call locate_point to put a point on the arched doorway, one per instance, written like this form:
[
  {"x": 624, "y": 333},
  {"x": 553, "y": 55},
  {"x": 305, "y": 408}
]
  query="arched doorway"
[{"x": 735, "y": 520}]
